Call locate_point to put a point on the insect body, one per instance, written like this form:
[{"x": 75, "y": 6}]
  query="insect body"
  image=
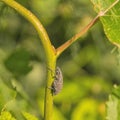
[{"x": 58, "y": 82}]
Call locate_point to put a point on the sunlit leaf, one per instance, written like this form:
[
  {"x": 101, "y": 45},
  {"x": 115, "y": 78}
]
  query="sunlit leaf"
[
  {"x": 57, "y": 115},
  {"x": 28, "y": 116},
  {"x": 5, "y": 115},
  {"x": 6, "y": 94},
  {"x": 85, "y": 110},
  {"x": 111, "y": 20},
  {"x": 113, "y": 104}
]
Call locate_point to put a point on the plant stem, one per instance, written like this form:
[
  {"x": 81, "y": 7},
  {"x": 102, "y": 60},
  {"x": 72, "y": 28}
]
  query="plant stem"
[
  {"x": 84, "y": 30},
  {"x": 48, "y": 104},
  {"x": 36, "y": 23},
  {"x": 76, "y": 36},
  {"x": 49, "y": 51}
]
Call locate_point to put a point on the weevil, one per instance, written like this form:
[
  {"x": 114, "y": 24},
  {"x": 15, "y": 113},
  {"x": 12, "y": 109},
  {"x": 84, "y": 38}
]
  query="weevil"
[{"x": 57, "y": 84}]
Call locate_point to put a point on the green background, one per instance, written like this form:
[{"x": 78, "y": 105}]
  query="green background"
[{"x": 90, "y": 66}]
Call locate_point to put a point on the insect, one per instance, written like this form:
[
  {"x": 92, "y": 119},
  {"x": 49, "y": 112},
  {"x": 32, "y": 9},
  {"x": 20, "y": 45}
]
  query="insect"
[{"x": 58, "y": 82}]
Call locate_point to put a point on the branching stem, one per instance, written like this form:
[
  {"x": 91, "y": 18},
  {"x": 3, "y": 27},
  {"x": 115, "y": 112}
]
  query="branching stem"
[
  {"x": 51, "y": 53},
  {"x": 84, "y": 30}
]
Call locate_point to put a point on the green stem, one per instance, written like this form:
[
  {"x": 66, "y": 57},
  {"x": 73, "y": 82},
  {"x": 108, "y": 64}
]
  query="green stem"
[
  {"x": 49, "y": 51},
  {"x": 76, "y": 36},
  {"x": 36, "y": 23},
  {"x": 48, "y": 104}
]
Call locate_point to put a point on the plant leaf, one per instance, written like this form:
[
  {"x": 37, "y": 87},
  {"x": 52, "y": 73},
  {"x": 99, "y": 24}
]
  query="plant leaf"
[
  {"x": 28, "y": 116},
  {"x": 5, "y": 115},
  {"x": 111, "y": 19},
  {"x": 18, "y": 62},
  {"x": 85, "y": 110},
  {"x": 113, "y": 105}
]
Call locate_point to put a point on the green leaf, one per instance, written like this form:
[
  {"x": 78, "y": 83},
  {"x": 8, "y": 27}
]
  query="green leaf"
[
  {"x": 28, "y": 116},
  {"x": 57, "y": 115},
  {"x": 113, "y": 105},
  {"x": 18, "y": 62},
  {"x": 85, "y": 110},
  {"x": 111, "y": 19},
  {"x": 5, "y": 75},
  {"x": 6, "y": 94},
  {"x": 6, "y": 116},
  {"x": 116, "y": 91}
]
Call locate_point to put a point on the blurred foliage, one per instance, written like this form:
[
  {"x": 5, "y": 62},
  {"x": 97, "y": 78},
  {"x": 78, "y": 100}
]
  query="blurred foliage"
[
  {"x": 6, "y": 116},
  {"x": 113, "y": 104},
  {"x": 21, "y": 66},
  {"x": 89, "y": 68},
  {"x": 29, "y": 116}
]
